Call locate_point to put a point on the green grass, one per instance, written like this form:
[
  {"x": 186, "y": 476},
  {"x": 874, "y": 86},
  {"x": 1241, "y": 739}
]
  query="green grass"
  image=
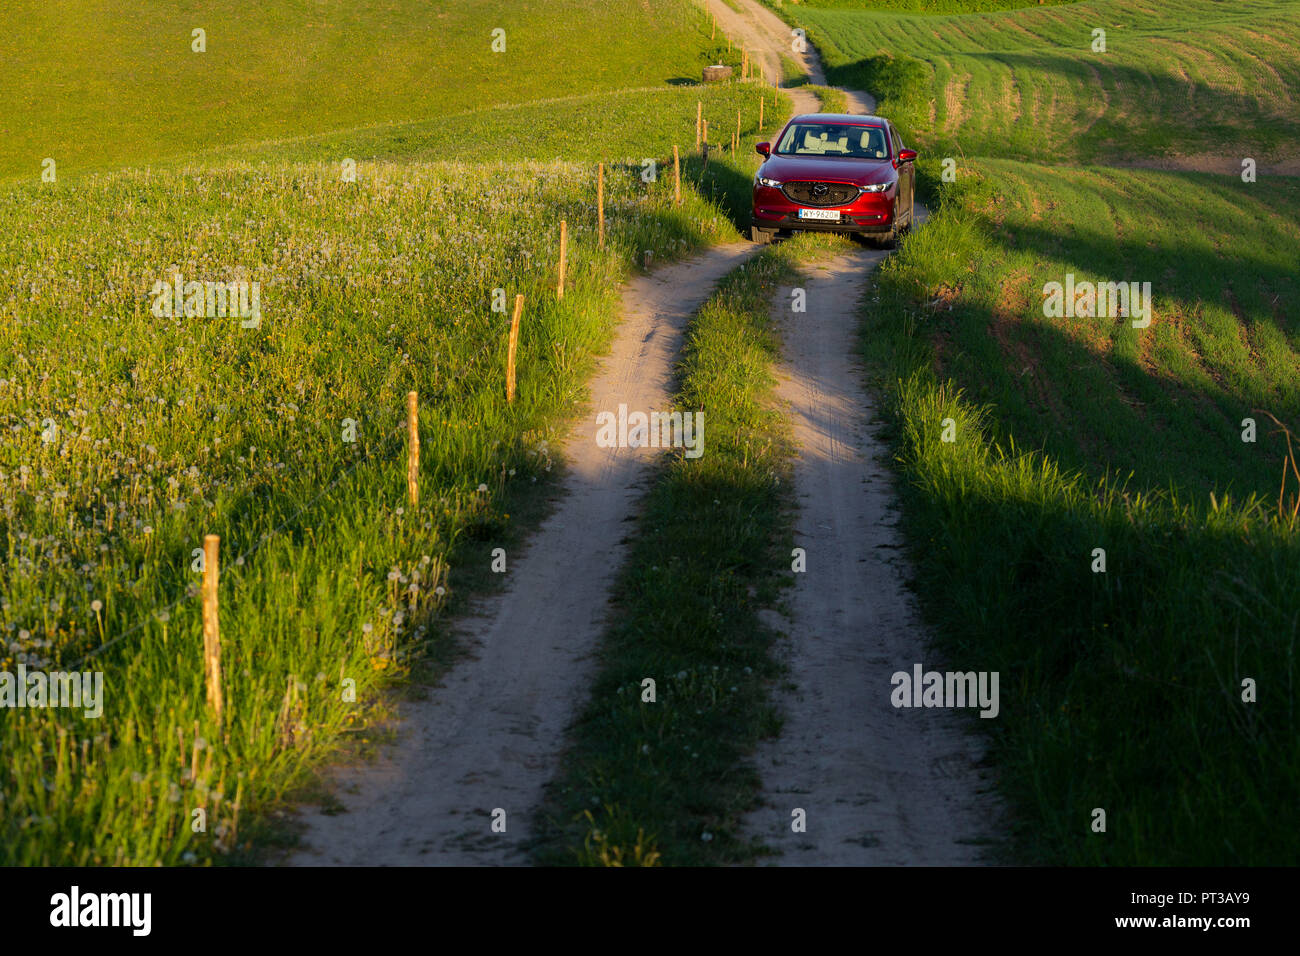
[
  {"x": 1165, "y": 402},
  {"x": 1189, "y": 79},
  {"x": 1123, "y": 688},
  {"x": 139, "y": 94},
  {"x": 830, "y": 99},
  {"x": 792, "y": 74},
  {"x": 626, "y": 126},
  {"x": 667, "y": 782}
]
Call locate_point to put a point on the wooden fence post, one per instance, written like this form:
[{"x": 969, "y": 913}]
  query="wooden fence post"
[
  {"x": 413, "y": 448},
  {"x": 600, "y": 201},
  {"x": 564, "y": 245},
  {"x": 510, "y": 352},
  {"x": 699, "y": 118},
  {"x": 211, "y": 628}
]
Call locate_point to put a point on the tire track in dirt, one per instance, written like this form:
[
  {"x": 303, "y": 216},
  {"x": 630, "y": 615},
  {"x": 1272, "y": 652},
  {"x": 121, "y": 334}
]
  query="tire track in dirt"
[
  {"x": 490, "y": 736},
  {"x": 879, "y": 785}
]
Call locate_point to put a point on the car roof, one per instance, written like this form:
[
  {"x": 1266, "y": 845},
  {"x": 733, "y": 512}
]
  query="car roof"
[{"x": 838, "y": 118}]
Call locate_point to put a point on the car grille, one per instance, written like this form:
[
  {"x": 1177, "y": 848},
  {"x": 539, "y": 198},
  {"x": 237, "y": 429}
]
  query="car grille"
[{"x": 820, "y": 194}]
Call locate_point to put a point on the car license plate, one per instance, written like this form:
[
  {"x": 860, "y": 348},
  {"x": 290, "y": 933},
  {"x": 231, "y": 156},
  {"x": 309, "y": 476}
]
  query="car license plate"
[{"x": 830, "y": 215}]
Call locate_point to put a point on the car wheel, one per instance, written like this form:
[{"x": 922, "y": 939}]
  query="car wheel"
[
  {"x": 890, "y": 239},
  {"x": 760, "y": 236}
]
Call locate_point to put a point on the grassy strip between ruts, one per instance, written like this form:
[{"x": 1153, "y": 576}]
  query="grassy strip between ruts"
[
  {"x": 665, "y": 781},
  {"x": 832, "y": 100},
  {"x": 1123, "y": 690}
]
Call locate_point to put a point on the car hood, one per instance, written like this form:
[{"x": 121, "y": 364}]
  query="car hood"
[{"x": 860, "y": 172}]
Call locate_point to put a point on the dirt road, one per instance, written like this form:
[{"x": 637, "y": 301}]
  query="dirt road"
[
  {"x": 490, "y": 736},
  {"x": 768, "y": 37},
  {"x": 878, "y": 785}
]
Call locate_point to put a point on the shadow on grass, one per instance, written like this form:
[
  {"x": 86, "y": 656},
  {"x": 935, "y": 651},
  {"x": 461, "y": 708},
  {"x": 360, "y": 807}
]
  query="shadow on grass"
[
  {"x": 721, "y": 181},
  {"x": 1123, "y": 688},
  {"x": 1163, "y": 112}
]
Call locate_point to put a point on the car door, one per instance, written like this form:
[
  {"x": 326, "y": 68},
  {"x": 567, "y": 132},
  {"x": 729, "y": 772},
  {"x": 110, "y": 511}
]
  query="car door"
[{"x": 906, "y": 173}]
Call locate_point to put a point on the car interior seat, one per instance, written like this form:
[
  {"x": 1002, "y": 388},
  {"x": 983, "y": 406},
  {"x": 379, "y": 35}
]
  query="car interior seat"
[
  {"x": 873, "y": 144},
  {"x": 812, "y": 143}
]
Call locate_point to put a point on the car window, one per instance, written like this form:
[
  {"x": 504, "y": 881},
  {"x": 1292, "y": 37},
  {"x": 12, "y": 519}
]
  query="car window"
[{"x": 834, "y": 139}]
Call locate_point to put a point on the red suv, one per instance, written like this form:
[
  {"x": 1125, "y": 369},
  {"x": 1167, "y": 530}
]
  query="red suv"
[{"x": 834, "y": 172}]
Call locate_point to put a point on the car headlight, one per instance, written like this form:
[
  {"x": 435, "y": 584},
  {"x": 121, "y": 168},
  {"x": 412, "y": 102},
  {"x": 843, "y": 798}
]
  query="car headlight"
[
  {"x": 875, "y": 188},
  {"x": 774, "y": 183}
]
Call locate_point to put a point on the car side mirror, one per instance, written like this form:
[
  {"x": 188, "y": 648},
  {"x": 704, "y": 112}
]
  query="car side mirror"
[
  {"x": 907, "y": 155},
  {"x": 765, "y": 149}
]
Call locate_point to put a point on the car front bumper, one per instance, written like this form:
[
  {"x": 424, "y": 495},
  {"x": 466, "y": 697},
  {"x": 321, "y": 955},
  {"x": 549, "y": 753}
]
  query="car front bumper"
[{"x": 870, "y": 212}]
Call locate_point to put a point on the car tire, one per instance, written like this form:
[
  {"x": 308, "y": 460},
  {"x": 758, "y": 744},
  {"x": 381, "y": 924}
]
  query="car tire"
[
  {"x": 890, "y": 239},
  {"x": 760, "y": 236}
]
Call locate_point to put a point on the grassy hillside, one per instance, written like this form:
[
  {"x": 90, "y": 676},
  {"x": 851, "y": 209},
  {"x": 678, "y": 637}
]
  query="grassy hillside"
[
  {"x": 96, "y": 85},
  {"x": 624, "y": 126},
  {"x": 1198, "y": 80},
  {"x": 1165, "y": 402}
]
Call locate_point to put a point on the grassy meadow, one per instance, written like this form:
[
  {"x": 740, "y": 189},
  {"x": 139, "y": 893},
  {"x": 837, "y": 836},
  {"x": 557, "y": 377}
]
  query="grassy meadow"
[
  {"x": 1164, "y": 402},
  {"x": 1185, "y": 80},
  {"x": 627, "y": 126},
  {"x": 166, "y": 430},
  {"x": 302, "y": 68},
  {"x": 130, "y": 435}
]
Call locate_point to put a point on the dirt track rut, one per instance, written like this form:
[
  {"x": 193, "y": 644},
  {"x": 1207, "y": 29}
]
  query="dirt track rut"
[{"x": 878, "y": 785}]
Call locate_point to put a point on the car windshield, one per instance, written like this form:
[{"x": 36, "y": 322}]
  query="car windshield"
[{"x": 834, "y": 139}]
